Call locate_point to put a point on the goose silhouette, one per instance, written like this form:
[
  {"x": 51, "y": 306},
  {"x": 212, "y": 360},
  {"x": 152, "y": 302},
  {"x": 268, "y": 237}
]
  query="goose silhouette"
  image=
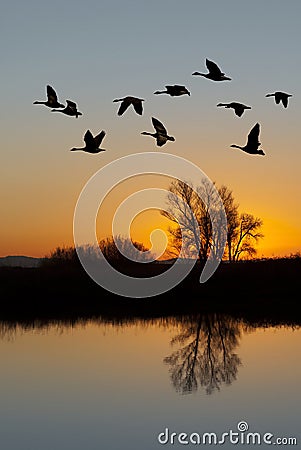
[
  {"x": 214, "y": 72},
  {"x": 52, "y": 100},
  {"x": 160, "y": 135},
  {"x": 252, "y": 143},
  {"x": 280, "y": 97},
  {"x": 127, "y": 101},
  {"x": 92, "y": 143},
  {"x": 69, "y": 110},
  {"x": 174, "y": 90},
  {"x": 239, "y": 108}
]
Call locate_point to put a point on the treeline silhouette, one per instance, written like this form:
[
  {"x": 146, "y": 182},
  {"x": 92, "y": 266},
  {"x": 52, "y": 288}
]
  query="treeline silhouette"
[
  {"x": 267, "y": 288},
  {"x": 112, "y": 249}
]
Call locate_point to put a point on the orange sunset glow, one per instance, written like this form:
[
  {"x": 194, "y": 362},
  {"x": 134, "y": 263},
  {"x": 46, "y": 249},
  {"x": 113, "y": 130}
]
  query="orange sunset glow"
[{"x": 42, "y": 179}]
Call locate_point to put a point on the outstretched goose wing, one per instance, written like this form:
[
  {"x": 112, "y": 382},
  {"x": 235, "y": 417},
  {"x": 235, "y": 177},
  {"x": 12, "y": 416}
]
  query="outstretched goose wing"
[
  {"x": 285, "y": 101},
  {"x": 213, "y": 67},
  {"x": 51, "y": 95},
  {"x": 172, "y": 89},
  {"x": 71, "y": 105},
  {"x": 253, "y": 136},
  {"x": 277, "y": 97},
  {"x": 159, "y": 127},
  {"x": 98, "y": 139},
  {"x": 89, "y": 139},
  {"x": 238, "y": 109},
  {"x": 124, "y": 106},
  {"x": 137, "y": 104}
]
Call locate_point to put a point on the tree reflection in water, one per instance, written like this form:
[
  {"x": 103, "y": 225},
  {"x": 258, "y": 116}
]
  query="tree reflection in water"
[{"x": 206, "y": 357}]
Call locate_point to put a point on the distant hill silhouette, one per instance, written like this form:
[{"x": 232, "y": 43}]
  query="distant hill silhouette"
[{"x": 20, "y": 261}]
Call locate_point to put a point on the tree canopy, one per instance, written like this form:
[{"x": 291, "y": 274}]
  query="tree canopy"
[{"x": 190, "y": 210}]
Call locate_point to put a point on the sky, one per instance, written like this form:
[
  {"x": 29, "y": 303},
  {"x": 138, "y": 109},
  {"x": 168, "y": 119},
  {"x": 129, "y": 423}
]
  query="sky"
[{"x": 93, "y": 52}]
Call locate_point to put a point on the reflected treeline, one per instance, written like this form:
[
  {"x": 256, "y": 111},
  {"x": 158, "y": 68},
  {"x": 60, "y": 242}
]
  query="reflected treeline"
[
  {"x": 206, "y": 356},
  {"x": 10, "y": 329},
  {"x": 189, "y": 324},
  {"x": 207, "y": 343}
]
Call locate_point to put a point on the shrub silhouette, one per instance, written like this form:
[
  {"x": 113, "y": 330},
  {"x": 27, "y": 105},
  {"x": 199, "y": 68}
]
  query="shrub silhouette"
[
  {"x": 109, "y": 249},
  {"x": 61, "y": 256},
  {"x": 67, "y": 256}
]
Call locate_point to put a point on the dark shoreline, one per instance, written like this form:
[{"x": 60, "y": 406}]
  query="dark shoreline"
[{"x": 261, "y": 290}]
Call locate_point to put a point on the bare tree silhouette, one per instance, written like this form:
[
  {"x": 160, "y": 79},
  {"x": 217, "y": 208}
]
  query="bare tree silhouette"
[
  {"x": 186, "y": 208},
  {"x": 189, "y": 213},
  {"x": 206, "y": 357},
  {"x": 245, "y": 234}
]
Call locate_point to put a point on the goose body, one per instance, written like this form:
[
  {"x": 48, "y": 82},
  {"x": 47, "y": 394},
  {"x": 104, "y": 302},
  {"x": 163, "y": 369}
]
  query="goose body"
[
  {"x": 253, "y": 143},
  {"x": 174, "y": 91},
  {"x": 92, "y": 143},
  {"x": 280, "y": 97},
  {"x": 52, "y": 100},
  {"x": 239, "y": 108},
  {"x": 214, "y": 72},
  {"x": 69, "y": 110},
  {"x": 160, "y": 135},
  {"x": 127, "y": 101}
]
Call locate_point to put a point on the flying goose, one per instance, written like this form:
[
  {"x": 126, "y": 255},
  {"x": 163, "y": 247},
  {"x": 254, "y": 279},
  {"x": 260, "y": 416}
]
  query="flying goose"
[
  {"x": 92, "y": 143},
  {"x": 160, "y": 135},
  {"x": 214, "y": 72},
  {"x": 174, "y": 91},
  {"x": 252, "y": 143},
  {"x": 52, "y": 101},
  {"x": 127, "y": 101},
  {"x": 70, "y": 109},
  {"x": 239, "y": 108},
  {"x": 280, "y": 97}
]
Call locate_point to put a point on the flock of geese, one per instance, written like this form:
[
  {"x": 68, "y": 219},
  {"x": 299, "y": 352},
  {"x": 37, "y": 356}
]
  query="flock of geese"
[{"x": 93, "y": 143}]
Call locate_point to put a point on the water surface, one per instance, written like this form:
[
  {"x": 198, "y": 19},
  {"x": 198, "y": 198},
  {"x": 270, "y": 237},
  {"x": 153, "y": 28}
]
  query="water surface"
[{"x": 117, "y": 385}]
